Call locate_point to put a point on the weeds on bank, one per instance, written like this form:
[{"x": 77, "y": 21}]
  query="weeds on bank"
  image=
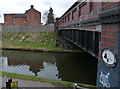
[{"x": 30, "y": 40}]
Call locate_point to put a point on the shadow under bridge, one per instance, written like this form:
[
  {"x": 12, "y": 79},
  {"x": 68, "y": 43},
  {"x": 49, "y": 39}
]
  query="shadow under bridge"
[{"x": 88, "y": 40}]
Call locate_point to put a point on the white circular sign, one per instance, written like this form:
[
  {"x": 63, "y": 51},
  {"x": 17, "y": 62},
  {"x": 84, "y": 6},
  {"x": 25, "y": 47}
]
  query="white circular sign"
[{"x": 109, "y": 57}]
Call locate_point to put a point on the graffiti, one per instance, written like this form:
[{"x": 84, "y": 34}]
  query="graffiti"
[{"x": 104, "y": 80}]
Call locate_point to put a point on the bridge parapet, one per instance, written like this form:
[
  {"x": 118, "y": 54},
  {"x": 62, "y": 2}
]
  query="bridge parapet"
[{"x": 110, "y": 13}]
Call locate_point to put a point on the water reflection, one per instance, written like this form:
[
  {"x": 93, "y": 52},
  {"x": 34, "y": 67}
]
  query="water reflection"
[
  {"x": 57, "y": 66},
  {"x": 81, "y": 68}
]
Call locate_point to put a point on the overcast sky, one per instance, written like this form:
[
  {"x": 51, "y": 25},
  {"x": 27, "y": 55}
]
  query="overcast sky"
[{"x": 20, "y": 6}]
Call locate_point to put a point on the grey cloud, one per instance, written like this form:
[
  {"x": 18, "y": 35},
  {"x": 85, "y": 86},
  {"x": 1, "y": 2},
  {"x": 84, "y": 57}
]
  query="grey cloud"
[{"x": 46, "y": 2}]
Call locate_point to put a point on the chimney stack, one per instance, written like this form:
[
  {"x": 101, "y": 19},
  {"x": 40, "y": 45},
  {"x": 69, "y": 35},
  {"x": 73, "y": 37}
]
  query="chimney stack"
[{"x": 32, "y": 6}]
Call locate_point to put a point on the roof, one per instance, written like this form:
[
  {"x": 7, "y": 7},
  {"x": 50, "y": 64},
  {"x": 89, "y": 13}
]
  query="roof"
[
  {"x": 19, "y": 16},
  {"x": 32, "y": 7}
]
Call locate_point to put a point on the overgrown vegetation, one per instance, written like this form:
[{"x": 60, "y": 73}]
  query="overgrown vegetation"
[
  {"x": 45, "y": 40},
  {"x": 33, "y": 78}
]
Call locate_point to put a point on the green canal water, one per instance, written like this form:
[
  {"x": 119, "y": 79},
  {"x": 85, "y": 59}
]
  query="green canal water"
[{"x": 74, "y": 67}]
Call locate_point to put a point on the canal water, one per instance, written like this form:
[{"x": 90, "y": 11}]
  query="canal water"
[{"x": 74, "y": 67}]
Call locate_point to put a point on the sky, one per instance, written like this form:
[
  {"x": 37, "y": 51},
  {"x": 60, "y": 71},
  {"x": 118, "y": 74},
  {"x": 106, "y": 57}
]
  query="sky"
[{"x": 20, "y": 6}]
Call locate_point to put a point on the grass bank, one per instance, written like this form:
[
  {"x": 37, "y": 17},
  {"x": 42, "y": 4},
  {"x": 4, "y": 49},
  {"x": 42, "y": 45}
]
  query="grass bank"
[
  {"x": 31, "y": 41},
  {"x": 33, "y": 78}
]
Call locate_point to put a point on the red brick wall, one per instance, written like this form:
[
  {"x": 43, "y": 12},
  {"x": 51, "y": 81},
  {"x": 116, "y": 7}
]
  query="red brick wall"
[
  {"x": 109, "y": 32},
  {"x": 8, "y": 19},
  {"x": 33, "y": 17},
  {"x": 85, "y": 10},
  {"x": 109, "y": 38},
  {"x": 95, "y": 5},
  {"x": 19, "y": 21}
]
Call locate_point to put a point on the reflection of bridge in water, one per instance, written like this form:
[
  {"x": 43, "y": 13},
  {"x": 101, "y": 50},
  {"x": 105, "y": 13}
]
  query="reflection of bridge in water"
[{"x": 63, "y": 66}]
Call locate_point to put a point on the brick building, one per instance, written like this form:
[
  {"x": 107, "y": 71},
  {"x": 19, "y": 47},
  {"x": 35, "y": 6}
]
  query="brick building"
[{"x": 31, "y": 17}]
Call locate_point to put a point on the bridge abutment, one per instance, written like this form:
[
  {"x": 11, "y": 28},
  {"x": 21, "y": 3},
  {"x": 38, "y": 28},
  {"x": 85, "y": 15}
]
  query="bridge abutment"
[
  {"x": 109, "y": 57},
  {"x": 108, "y": 75}
]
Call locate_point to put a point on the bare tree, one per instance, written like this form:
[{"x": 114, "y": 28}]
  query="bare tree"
[
  {"x": 45, "y": 16},
  {"x": 48, "y": 16}
]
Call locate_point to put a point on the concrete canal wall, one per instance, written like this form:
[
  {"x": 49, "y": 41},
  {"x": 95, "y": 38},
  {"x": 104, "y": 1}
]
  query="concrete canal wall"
[{"x": 41, "y": 28}]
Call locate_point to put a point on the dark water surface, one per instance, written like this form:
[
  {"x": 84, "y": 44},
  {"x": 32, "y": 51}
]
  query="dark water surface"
[{"x": 74, "y": 67}]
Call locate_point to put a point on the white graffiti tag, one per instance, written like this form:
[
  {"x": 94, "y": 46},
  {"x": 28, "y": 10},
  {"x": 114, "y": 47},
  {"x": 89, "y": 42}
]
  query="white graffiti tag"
[{"x": 104, "y": 80}]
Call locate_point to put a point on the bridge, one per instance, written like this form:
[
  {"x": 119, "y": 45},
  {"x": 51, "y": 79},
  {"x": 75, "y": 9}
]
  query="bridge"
[{"x": 95, "y": 27}]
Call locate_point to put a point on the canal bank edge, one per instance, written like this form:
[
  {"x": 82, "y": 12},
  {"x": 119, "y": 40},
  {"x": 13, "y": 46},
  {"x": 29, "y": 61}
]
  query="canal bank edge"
[
  {"x": 39, "y": 79},
  {"x": 42, "y": 50}
]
